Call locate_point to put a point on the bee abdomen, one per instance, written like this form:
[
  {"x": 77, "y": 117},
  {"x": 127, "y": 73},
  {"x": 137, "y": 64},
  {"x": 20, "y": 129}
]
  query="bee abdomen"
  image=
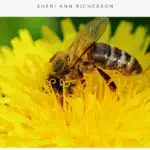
[
  {"x": 112, "y": 58},
  {"x": 123, "y": 62},
  {"x": 100, "y": 54}
]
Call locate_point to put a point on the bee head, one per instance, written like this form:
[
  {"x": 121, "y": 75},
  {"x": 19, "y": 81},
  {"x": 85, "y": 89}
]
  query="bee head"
[{"x": 60, "y": 64}]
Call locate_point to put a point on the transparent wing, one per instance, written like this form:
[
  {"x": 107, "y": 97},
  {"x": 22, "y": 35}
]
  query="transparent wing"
[{"x": 90, "y": 34}]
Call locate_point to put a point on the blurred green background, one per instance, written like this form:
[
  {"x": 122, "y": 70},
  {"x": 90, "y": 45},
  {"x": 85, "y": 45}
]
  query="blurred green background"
[{"x": 9, "y": 26}]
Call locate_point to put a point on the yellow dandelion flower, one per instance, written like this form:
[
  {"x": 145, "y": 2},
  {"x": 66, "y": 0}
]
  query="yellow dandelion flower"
[{"x": 32, "y": 117}]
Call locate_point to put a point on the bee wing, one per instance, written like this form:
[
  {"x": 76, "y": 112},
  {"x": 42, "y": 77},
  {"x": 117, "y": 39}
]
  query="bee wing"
[{"x": 90, "y": 34}]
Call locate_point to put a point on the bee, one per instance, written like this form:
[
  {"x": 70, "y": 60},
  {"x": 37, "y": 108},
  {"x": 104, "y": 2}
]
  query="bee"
[{"x": 85, "y": 55}]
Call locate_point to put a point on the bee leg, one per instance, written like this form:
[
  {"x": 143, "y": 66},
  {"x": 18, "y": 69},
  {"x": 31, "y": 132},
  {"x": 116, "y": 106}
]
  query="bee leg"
[
  {"x": 107, "y": 78},
  {"x": 80, "y": 73}
]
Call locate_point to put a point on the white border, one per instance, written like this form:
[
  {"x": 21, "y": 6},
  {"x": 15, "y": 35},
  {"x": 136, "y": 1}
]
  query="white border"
[{"x": 30, "y": 8}]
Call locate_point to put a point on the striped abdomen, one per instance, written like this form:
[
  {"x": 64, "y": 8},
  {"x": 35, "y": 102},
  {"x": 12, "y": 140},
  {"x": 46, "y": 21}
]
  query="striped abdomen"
[{"x": 112, "y": 58}]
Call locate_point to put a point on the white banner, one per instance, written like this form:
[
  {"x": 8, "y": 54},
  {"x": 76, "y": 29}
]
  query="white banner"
[{"x": 74, "y": 8}]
